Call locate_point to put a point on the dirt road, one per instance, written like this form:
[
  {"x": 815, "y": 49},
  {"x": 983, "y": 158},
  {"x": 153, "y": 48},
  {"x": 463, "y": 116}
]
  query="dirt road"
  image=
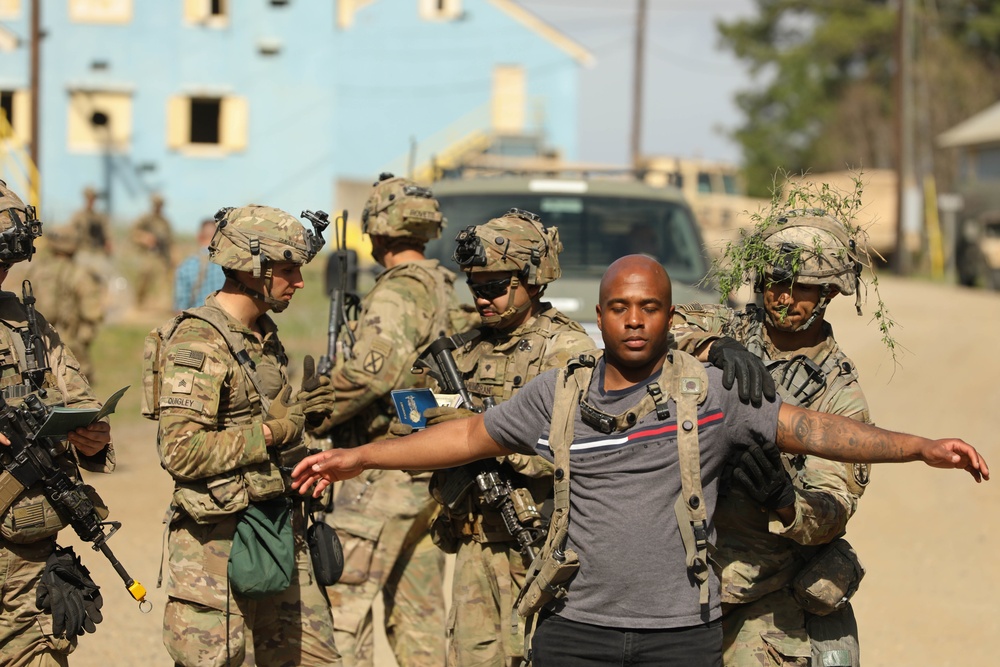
[{"x": 929, "y": 538}]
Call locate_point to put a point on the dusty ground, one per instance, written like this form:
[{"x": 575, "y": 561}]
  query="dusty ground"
[{"x": 929, "y": 538}]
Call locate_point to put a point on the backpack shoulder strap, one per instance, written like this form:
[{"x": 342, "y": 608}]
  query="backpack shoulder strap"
[{"x": 689, "y": 389}]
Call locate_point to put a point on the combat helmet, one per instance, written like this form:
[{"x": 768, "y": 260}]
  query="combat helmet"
[
  {"x": 251, "y": 238},
  {"x": 516, "y": 242},
  {"x": 19, "y": 227},
  {"x": 400, "y": 208},
  {"x": 811, "y": 247}
]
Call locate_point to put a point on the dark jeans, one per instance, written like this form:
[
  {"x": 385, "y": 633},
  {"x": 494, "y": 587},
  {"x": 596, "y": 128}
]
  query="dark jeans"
[{"x": 559, "y": 642}]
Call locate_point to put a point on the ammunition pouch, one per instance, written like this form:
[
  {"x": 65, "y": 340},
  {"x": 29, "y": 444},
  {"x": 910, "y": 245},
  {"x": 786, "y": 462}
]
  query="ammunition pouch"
[
  {"x": 826, "y": 583},
  {"x": 451, "y": 486},
  {"x": 557, "y": 568},
  {"x": 33, "y": 518}
]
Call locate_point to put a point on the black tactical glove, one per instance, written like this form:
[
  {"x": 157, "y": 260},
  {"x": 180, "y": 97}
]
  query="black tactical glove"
[
  {"x": 316, "y": 397},
  {"x": 738, "y": 363},
  {"x": 69, "y": 594},
  {"x": 285, "y": 419},
  {"x": 760, "y": 471}
]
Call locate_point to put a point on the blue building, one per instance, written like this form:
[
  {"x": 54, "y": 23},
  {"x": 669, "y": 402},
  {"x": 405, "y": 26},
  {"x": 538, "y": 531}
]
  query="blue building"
[{"x": 292, "y": 103}]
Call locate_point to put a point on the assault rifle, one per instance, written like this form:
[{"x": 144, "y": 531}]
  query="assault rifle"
[
  {"x": 35, "y": 361},
  {"x": 520, "y": 516},
  {"x": 35, "y": 461},
  {"x": 341, "y": 300}
]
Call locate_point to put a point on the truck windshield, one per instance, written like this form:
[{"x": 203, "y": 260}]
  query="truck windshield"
[{"x": 594, "y": 230}]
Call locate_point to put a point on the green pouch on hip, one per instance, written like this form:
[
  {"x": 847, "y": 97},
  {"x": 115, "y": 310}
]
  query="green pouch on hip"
[{"x": 262, "y": 559}]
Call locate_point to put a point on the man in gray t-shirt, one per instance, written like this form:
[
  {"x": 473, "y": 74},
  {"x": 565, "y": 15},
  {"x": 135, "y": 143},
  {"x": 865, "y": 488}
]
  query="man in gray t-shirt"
[{"x": 621, "y": 495}]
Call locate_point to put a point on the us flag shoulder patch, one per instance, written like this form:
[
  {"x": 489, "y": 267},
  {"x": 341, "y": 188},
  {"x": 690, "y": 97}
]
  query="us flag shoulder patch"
[{"x": 189, "y": 358}]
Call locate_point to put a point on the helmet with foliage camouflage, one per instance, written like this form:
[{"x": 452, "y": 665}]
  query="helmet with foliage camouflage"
[
  {"x": 249, "y": 238},
  {"x": 515, "y": 242},
  {"x": 18, "y": 227},
  {"x": 400, "y": 207},
  {"x": 252, "y": 238},
  {"x": 64, "y": 239},
  {"x": 812, "y": 247}
]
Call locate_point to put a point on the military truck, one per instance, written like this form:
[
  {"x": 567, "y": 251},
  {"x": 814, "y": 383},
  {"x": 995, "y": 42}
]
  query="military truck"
[
  {"x": 600, "y": 218},
  {"x": 977, "y": 243}
]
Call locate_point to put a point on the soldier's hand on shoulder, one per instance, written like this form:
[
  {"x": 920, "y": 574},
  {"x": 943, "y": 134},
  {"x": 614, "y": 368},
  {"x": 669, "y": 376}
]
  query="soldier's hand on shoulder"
[
  {"x": 91, "y": 439},
  {"x": 737, "y": 363}
]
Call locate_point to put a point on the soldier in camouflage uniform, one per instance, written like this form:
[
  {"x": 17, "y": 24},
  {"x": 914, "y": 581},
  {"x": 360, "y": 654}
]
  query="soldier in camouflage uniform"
[
  {"x": 776, "y": 533},
  {"x": 383, "y": 517},
  {"x": 228, "y": 429},
  {"x": 26, "y": 633},
  {"x": 152, "y": 240},
  {"x": 70, "y": 293},
  {"x": 508, "y": 261},
  {"x": 92, "y": 226}
]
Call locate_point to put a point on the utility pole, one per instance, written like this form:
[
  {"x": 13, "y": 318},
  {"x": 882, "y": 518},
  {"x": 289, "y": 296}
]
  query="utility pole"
[
  {"x": 35, "y": 86},
  {"x": 640, "y": 42},
  {"x": 908, "y": 194}
]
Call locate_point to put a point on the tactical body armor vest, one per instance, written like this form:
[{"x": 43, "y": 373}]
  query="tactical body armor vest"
[
  {"x": 494, "y": 367},
  {"x": 373, "y": 421},
  {"x": 27, "y": 515},
  {"x": 215, "y": 498}
]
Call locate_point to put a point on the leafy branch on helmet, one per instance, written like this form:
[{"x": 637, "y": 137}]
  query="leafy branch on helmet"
[{"x": 807, "y": 235}]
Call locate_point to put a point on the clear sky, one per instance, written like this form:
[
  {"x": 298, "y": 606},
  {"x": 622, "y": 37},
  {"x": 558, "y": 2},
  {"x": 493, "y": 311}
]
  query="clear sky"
[{"x": 689, "y": 81}]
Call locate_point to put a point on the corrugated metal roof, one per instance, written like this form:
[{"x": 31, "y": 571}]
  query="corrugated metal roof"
[{"x": 982, "y": 128}]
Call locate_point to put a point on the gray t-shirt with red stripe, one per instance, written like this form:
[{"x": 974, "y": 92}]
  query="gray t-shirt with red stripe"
[{"x": 624, "y": 485}]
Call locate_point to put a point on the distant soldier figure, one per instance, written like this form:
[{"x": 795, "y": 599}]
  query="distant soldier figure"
[
  {"x": 92, "y": 226},
  {"x": 508, "y": 262},
  {"x": 782, "y": 517},
  {"x": 197, "y": 277},
  {"x": 383, "y": 518},
  {"x": 28, "y": 551},
  {"x": 70, "y": 293},
  {"x": 228, "y": 429},
  {"x": 152, "y": 239}
]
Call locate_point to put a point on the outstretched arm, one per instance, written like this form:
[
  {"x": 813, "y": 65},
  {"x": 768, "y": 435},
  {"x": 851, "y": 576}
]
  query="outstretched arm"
[
  {"x": 447, "y": 444},
  {"x": 802, "y": 431}
]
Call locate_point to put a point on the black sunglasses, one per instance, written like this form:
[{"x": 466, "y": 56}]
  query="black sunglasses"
[{"x": 491, "y": 289}]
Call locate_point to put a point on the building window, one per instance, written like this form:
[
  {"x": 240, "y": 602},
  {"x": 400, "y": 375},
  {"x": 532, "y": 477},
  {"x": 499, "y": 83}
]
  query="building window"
[
  {"x": 99, "y": 121},
  {"x": 10, "y": 9},
  {"x": 440, "y": 10},
  {"x": 208, "y": 125},
  {"x": 16, "y": 105},
  {"x": 205, "y": 115},
  {"x": 211, "y": 13},
  {"x": 100, "y": 11}
]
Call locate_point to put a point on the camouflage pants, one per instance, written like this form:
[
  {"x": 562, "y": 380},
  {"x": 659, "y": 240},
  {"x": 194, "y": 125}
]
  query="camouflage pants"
[
  {"x": 201, "y": 628},
  {"x": 153, "y": 280},
  {"x": 487, "y": 580},
  {"x": 25, "y": 632},
  {"x": 774, "y": 631},
  {"x": 383, "y": 518}
]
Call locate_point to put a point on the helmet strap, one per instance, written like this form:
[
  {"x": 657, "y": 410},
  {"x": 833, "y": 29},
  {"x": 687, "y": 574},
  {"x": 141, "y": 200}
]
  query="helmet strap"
[{"x": 512, "y": 311}]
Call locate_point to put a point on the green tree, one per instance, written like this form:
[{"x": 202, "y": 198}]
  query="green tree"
[{"x": 822, "y": 97}]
